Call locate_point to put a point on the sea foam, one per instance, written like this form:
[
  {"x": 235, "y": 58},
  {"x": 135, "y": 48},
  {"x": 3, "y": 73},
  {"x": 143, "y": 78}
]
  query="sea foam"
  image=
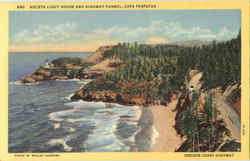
[
  {"x": 19, "y": 83},
  {"x": 104, "y": 118},
  {"x": 155, "y": 135},
  {"x": 68, "y": 80},
  {"x": 61, "y": 141}
]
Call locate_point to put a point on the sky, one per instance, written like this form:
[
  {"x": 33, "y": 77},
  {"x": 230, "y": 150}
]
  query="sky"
[{"x": 87, "y": 30}]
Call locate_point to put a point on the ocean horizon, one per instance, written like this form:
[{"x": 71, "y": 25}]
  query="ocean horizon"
[{"x": 49, "y": 52}]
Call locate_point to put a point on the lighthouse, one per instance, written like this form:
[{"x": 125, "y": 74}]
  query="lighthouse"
[{"x": 46, "y": 64}]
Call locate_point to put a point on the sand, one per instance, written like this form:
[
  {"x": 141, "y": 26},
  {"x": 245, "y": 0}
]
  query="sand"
[
  {"x": 93, "y": 58},
  {"x": 104, "y": 65},
  {"x": 164, "y": 121}
]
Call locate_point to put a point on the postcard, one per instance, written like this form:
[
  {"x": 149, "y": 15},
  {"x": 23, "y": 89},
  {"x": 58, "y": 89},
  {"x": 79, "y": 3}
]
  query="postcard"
[{"x": 125, "y": 81}]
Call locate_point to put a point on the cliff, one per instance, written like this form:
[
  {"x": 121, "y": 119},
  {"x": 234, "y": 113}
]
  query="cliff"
[
  {"x": 108, "y": 91},
  {"x": 133, "y": 74}
]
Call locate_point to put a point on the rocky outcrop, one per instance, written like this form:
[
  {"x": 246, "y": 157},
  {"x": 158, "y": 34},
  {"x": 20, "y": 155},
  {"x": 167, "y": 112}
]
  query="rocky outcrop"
[
  {"x": 92, "y": 74},
  {"x": 43, "y": 72},
  {"x": 192, "y": 73},
  {"x": 28, "y": 79},
  {"x": 37, "y": 77},
  {"x": 109, "y": 96},
  {"x": 67, "y": 71},
  {"x": 56, "y": 77},
  {"x": 68, "y": 68},
  {"x": 32, "y": 78},
  {"x": 105, "y": 96}
]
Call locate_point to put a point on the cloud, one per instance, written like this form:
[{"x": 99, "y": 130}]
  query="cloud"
[
  {"x": 44, "y": 33},
  {"x": 71, "y": 34},
  {"x": 207, "y": 36},
  {"x": 96, "y": 38},
  {"x": 171, "y": 31},
  {"x": 225, "y": 31}
]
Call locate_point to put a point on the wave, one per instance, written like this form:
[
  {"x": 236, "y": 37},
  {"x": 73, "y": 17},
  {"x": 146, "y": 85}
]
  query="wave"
[
  {"x": 104, "y": 118},
  {"x": 69, "y": 80},
  {"x": 82, "y": 104},
  {"x": 69, "y": 96},
  {"x": 57, "y": 116},
  {"x": 71, "y": 129},
  {"x": 62, "y": 141},
  {"x": 22, "y": 84},
  {"x": 154, "y": 136},
  {"x": 85, "y": 81},
  {"x": 57, "y": 125},
  {"x": 104, "y": 137},
  {"x": 134, "y": 121}
]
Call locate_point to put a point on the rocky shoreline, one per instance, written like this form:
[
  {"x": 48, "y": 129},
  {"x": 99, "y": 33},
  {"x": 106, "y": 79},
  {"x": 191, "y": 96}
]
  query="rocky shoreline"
[
  {"x": 95, "y": 67},
  {"x": 107, "y": 73},
  {"x": 65, "y": 68},
  {"x": 59, "y": 73}
]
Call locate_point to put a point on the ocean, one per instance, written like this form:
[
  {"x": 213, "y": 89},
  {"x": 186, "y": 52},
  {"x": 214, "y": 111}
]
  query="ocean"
[{"x": 42, "y": 118}]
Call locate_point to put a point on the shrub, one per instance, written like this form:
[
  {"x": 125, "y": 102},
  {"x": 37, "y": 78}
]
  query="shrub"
[{"x": 66, "y": 60}]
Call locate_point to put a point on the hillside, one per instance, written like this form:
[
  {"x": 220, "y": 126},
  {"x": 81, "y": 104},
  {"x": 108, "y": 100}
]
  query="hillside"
[
  {"x": 191, "y": 43},
  {"x": 149, "y": 75},
  {"x": 95, "y": 57}
]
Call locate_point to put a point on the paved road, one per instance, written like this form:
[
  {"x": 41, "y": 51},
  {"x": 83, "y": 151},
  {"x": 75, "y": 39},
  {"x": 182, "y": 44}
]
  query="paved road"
[{"x": 230, "y": 117}]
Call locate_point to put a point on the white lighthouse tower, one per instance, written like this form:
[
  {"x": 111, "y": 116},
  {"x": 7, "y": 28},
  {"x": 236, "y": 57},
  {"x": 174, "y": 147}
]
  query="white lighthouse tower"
[{"x": 46, "y": 64}]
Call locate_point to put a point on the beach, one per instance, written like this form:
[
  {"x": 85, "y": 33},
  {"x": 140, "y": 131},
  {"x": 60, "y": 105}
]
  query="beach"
[{"x": 166, "y": 138}]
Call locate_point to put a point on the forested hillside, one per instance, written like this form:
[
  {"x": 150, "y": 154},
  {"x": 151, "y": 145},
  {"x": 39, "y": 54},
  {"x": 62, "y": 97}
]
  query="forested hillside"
[
  {"x": 152, "y": 74},
  {"x": 165, "y": 68},
  {"x": 219, "y": 62}
]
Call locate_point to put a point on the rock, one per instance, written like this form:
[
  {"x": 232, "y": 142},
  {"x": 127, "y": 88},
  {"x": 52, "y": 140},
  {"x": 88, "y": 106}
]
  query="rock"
[
  {"x": 108, "y": 96},
  {"x": 192, "y": 73},
  {"x": 43, "y": 72},
  {"x": 52, "y": 65},
  {"x": 138, "y": 100},
  {"x": 37, "y": 77},
  {"x": 56, "y": 77},
  {"x": 75, "y": 97},
  {"x": 68, "y": 66},
  {"x": 28, "y": 79},
  {"x": 46, "y": 74},
  {"x": 72, "y": 67},
  {"x": 93, "y": 74},
  {"x": 76, "y": 67}
]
